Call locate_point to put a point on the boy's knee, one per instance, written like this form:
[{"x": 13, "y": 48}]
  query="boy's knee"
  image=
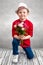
[{"x": 31, "y": 56}]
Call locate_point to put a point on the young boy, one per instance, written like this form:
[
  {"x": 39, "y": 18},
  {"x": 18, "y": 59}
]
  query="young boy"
[{"x": 22, "y": 13}]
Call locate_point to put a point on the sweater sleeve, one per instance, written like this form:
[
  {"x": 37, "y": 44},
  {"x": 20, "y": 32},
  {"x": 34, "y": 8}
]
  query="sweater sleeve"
[
  {"x": 13, "y": 29},
  {"x": 31, "y": 30}
]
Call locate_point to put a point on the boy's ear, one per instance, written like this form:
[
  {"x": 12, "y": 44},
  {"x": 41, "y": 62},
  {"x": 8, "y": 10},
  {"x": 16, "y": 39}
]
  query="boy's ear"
[{"x": 27, "y": 13}]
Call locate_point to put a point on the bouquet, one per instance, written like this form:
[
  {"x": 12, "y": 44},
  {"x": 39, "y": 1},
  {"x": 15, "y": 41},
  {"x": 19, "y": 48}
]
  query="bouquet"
[{"x": 20, "y": 29}]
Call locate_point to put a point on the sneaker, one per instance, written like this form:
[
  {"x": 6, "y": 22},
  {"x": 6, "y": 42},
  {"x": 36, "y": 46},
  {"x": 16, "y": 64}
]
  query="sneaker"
[{"x": 15, "y": 59}]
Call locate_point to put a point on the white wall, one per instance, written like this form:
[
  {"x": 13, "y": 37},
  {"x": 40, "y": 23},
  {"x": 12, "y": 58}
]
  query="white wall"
[{"x": 7, "y": 16}]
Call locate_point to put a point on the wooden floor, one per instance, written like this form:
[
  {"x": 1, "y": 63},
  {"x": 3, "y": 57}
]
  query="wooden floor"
[{"x": 6, "y": 57}]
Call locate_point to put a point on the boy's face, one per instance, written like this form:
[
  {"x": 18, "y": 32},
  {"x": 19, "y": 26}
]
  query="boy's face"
[{"x": 22, "y": 13}]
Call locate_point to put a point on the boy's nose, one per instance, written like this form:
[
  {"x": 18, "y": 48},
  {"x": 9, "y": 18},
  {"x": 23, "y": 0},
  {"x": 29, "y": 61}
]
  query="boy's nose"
[{"x": 21, "y": 13}]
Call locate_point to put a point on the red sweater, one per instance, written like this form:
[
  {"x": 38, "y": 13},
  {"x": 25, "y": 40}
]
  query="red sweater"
[{"x": 29, "y": 29}]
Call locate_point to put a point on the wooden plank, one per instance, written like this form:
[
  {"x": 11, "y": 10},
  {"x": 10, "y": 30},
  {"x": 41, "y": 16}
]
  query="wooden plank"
[
  {"x": 41, "y": 52},
  {"x": 35, "y": 61},
  {"x": 6, "y": 57},
  {"x": 20, "y": 62},
  {"x": 24, "y": 59},
  {"x": 29, "y": 62},
  {"x": 5, "y": 61},
  {"x": 10, "y": 59},
  {"x": 39, "y": 57},
  {"x": 1, "y": 53},
  {"x": 2, "y": 58}
]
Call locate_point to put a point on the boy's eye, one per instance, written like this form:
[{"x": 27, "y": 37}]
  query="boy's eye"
[
  {"x": 23, "y": 12},
  {"x": 19, "y": 12}
]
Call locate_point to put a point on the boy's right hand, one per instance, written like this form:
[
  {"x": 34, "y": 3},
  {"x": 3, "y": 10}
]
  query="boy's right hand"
[{"x": 16, "y": 36}]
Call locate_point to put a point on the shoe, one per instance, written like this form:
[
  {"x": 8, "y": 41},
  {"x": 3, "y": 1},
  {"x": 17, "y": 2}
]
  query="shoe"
[{"x": 15, "y": 59}]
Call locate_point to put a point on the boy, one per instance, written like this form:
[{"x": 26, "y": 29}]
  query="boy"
[{"x": 22, "y": 13}]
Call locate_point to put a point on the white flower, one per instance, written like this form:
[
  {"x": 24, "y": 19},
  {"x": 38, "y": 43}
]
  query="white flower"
[
  {"x": 22, "y": 28},
  {"x": 15, "y": 26},
  {"x": 21, "y": 24}
]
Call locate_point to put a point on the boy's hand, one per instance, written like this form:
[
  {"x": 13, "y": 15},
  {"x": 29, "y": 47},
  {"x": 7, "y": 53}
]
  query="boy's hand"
[
  {"x": 25, "y": 37},
  {"x": 21, "y": 37},
  {"x": 16, "y": 36}
]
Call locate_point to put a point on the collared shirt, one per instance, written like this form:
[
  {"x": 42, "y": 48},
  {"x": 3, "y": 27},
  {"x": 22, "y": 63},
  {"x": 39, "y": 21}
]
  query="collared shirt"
[{"x": 29, "y": 30}]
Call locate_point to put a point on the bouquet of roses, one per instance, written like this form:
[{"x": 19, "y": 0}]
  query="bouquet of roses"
[{"x": 20, "y": 29}]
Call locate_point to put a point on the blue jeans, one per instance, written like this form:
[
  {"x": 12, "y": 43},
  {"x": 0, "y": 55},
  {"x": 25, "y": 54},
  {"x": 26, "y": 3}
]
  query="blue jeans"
[{"x": 28, "y": 50}]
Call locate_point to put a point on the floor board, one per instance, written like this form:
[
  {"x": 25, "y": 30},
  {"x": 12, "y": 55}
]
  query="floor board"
[{"x": 6, "y": 57}]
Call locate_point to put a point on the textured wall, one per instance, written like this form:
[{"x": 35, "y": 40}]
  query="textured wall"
[{"x": 7, "y": 16}]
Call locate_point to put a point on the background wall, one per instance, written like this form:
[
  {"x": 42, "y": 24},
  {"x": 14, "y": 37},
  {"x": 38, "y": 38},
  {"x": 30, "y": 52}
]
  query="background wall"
[{"x": 7, "y": 16}]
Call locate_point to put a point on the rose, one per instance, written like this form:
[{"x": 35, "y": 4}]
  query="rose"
[{"x": 20, "y": 30}]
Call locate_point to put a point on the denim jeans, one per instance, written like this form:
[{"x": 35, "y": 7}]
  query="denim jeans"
[
  {"x": 28, "y": 50},
  {"x": 15, "y": 44}
]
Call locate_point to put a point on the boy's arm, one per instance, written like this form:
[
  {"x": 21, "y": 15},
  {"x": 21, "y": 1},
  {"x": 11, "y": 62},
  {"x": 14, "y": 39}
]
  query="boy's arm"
[
  {"x": 14, "y": 34},
  {"x": 25, "y": 37},
  {"x": 31, "y": 30},
  {"x": 30, "y": 33},
  {"x": 13, "y": 30}
]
